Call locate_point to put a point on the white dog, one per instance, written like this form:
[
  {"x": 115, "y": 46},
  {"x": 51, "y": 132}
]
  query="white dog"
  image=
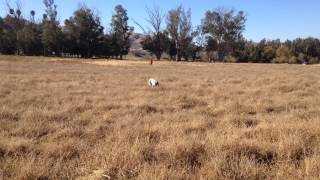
[{"x": 153, "y": 82}]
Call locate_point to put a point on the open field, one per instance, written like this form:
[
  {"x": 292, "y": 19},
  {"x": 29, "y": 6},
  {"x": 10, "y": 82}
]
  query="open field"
[{"x": 80, "y": 120}]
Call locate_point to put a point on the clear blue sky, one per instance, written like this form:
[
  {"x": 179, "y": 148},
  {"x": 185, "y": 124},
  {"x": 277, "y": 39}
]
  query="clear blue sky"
[{"x": 284, "y": 19}]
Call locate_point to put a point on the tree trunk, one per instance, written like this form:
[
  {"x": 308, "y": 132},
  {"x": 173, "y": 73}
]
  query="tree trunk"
[
  {"x": 178, "y": 52},
  {"x": 158, "y": 56},
  {"x": 159, "y": 51}
]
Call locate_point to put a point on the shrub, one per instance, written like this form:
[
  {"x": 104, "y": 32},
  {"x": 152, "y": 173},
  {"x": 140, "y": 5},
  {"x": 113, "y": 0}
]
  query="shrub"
[
  {"x": 293, "y": 60},
  {"x": 231, "y": 59},
  {"x": 282, "y": 54},
  {"x": 314, "y": 60},
  {"x": 301, "y": 58},
  {"x": 269, "y": 53},
  {"x": 280, "y": 59}
]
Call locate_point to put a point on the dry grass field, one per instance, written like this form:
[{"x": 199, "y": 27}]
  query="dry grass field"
[{"x": 66, "y": 119}]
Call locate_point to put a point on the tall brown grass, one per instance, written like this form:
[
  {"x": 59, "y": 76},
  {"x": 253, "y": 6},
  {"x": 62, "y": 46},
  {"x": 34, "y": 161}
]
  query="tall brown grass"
[{"x": 62, "y": 120}]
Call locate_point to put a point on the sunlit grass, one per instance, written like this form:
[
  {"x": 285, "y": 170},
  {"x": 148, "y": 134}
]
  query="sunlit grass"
[{"x": 61, "y": 120}]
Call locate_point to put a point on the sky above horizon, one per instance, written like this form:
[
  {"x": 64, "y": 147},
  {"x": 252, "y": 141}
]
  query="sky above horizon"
[{"x": 270, "y": 19}]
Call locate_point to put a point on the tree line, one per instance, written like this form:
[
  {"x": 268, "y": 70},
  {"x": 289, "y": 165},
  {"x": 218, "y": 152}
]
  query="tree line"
[
  {"x": 82, "y": 35},
  {"x": 219, "y": 37}
]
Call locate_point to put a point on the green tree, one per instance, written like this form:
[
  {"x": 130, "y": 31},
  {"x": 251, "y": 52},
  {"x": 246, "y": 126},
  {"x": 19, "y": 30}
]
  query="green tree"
[
  {"x": 211, "y": 47},
  {"x": 180, "y": 28},
  {"x": 226, "y": 26},
  {"x": 186, "y": 33},
  {"x": 156, "y": 44},
  {"x": 171, "y": 49},
  {"x": 306, "y": 49},
  {"x": 173, "y": 21},
  {"x": 84, "y": 30},
  {"x": 198, "y": 43},
  {"x": 12, "y": 24},
  {"x": 29, "y": 40},
  {"x": 106, "y": 48},
  {"x": 51, "y": 31},
  {"x": 1, "y": 34},
  {"x": 121, "y": 31},
  {"x": 51, "y": 38},
  {"x": 70, "y": 44},
  {"x": 9, "y": 36}
]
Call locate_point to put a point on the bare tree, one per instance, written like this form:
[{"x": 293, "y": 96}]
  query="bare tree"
[
  {"x": 155, "y": 19},
  {"x": 139, "y": 25}
]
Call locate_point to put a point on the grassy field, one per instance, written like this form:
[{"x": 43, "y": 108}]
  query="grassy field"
[{"x": 99, "y": 120}]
